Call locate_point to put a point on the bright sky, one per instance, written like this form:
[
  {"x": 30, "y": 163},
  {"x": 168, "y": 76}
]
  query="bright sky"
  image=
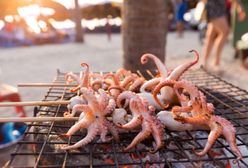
[{"x": 70, "y": 3}]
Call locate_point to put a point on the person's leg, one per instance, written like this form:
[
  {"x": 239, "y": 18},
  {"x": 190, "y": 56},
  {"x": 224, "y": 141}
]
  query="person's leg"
[
  {"x": 221, "y": 25},
  {"x": 208, "y": 43},
  {"x": 179, "y": 29}
]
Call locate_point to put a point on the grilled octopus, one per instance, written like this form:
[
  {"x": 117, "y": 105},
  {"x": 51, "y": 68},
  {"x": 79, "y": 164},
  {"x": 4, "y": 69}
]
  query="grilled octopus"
[
  {"x": 82, "y": 80},
  {"x": 201, "y": 114},
  {"x": 167, "y": 93},
  {"x": 123, "y": 80},
  {"x": 143, "y": 115},
  {"x": 94, "y": 120}
]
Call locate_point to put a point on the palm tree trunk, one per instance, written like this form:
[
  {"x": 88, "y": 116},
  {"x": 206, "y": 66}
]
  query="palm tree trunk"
[
  {"x": 78, "y": 27},
  {"x": 144, "y": 30}
]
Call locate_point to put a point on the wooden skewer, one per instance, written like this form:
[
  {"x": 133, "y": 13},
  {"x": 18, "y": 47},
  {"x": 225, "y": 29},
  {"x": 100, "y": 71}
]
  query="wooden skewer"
[
  {"x": 45, "y": 85},
  {"x": 34, "y": 103},
  {"x": 149, "y": 73},
  {"x": 37, "y": 119}
]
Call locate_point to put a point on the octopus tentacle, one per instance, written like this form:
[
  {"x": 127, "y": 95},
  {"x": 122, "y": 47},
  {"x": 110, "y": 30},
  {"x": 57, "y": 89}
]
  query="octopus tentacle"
[
  {"x": 96, "y": 84},
  {"x": 91, "y": 99},
  {"x": 229, "y": 134},
  {"x": 146, "y": 131},
  {"x": 114, "y": 77},
  {"x": 110, "y": 107},
  {"x": 75, "y": 100},
  {"x": 160, "y": 66},
  {"x": 136, "y": 84},
  {"x": 197, "y": 120},
  {"x": 133, "y": 123},
  {"x": 69, "y": 77},
  {"x": 176, "y": 110},
  {"x": 178, "y": 71},
  {"x": 151, "y": 100},
  {"x": 122, "y": 72},
  {"x": 115, "y": 91},
  {"x": 79, "y": 108},
  {"x": 92, "y": 132},
  {"x": 157, "y": 132},
  {"x": 216, "y": 131},
  {"x": 189, "y": 87},
  {"x": 103, "y": 99},
  {"x": 126, "y": 95},
  {"x": 136, "y": 106},
  {"x": 83, "y": 123},
  {"x": 149, "y": 84},
  {"x": 104, "y": 131},
  {"x": 157, "y": 89},
  {"x": 85, "y": 79},
  {"x": 113, "y": 130},
  {"x": 127, "y": 80}
]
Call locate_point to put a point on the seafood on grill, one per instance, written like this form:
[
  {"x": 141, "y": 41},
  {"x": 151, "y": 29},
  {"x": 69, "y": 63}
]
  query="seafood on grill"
[
  {"x": 199, "y": 113},
  {"x": 144, "y": 116},
  {"x": 76, "y": 100},
  {"x": 97, "y": 107},
  {"x": 120, "y": 116},
  {"x": 167, "y": 93},
  {"x": 82, "y": 80},
  {"x": 167, "y": 119},
  {"x": 123, "y": 80}
]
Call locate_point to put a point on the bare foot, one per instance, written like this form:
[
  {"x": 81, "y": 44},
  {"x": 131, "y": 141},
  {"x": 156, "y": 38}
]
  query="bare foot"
[{"x": 217, "y": 70}]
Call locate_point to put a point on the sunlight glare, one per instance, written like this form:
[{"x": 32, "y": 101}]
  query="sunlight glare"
[
  {"x": 102, "y": 22},
  {"x": 31, "y": 10},
  {"x": 35, "y": 11},
  {"x": 1, "y": 26},
  {"x": 9, "y": 18},
  {"x": 118, "y": 21},
  {"x": 47, "y": 11},
  {"x": 42, "y": 25},
  {"x": 67, "y": 24},
  {"x": 33, "y": 24}
]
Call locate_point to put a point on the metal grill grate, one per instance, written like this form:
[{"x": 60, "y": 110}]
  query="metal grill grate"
[{"x": 230, "y": 102}]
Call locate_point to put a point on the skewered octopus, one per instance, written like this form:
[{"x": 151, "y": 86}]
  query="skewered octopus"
[
  {"x": 143, "y": 115},
  {"x": 99, "y": 105},
  {"x": 167, "y": 93},
  {"x": 200, "y": 113},
  {"x": 82, "y": 79},
  {"x": 123, "y": 80}
]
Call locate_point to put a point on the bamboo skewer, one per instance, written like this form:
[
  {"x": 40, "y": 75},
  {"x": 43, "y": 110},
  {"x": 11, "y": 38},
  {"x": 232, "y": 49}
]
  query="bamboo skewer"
[
  {"x": 35, "y": 103},
  {"x": 37, "y": 119},
  {"x": 45, "y": 85}
]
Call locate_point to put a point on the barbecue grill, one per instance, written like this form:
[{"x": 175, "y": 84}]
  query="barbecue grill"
[{"x": 45, "y": 138}]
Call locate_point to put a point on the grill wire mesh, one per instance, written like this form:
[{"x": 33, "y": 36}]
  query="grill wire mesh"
[{"x": 42, "y": 141}]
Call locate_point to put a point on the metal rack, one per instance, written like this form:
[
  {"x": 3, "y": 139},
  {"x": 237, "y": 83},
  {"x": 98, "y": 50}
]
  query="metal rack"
[{"x": 45, "y": 138}]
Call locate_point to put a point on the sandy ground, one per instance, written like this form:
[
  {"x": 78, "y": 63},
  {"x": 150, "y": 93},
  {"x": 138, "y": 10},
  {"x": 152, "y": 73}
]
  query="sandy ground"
[{"x": 39, "y": 63}]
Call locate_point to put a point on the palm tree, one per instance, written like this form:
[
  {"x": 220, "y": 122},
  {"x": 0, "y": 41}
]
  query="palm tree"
[
  {"x": 144, "y": 31},
  {"x": 78, "y": 28}
]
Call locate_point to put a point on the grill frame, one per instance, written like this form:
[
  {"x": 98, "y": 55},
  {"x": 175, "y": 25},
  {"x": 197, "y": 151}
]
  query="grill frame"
[{"x": 229, "y": 100}]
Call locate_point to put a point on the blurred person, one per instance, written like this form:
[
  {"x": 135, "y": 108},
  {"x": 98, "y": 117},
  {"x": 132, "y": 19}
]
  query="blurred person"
[
  {"x": 239, "y": 22},
  {"x": 7, "y": 34},
  {"x": 108, "y": 27},
  {"x": 181, "y": 8},
  {"x": 217, "y": 30},
  {"x": 19, "y": 34}
]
